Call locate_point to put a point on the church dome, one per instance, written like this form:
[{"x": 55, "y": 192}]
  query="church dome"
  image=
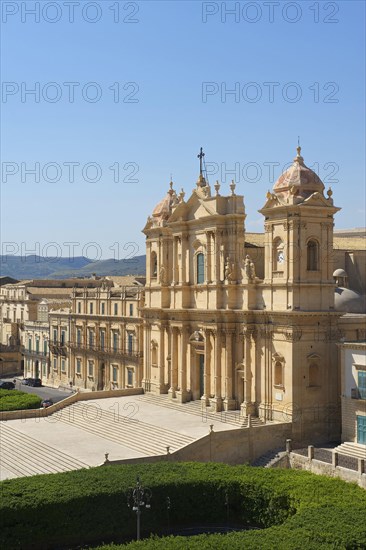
[
  {"x": 298, "y": 180},
  {"x": 163, "y": 209},
  {"x": 349, "y": 301}
]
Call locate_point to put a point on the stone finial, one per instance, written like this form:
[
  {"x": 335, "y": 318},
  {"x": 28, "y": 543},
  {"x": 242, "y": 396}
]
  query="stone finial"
[
  {"x": 181, "y": 195},
  {"x": 330, "y": 192},
  {"x": 232, "y": 187},
  {"x": 217, "y": 188}
]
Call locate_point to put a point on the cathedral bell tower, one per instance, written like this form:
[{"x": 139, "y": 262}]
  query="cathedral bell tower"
[{"x": 299, "y": 242}]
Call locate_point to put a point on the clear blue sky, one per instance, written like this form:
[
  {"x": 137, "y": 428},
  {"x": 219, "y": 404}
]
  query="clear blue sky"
[{"x": 169, "y": 52}]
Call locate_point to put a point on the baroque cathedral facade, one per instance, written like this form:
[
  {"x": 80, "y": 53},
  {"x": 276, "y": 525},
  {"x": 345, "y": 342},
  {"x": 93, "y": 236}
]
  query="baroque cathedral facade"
[{"x": 215, "y": 331}]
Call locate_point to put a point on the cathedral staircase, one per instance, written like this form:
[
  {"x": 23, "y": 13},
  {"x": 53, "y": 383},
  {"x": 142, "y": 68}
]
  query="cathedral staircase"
[
  {"x": 198, "y": 408},
  {"x": 125, "y": 430},
  {"x": 23, "y": 455},
  {"x": 269, "y": 459},
  {"x": 352, "y": 449}
]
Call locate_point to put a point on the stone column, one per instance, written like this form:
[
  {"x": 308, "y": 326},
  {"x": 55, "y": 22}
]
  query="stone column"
[
  {"x": 229, "y": 402},
  {"x": 162, "y": 359},
  {"x": 173, "y": 362},
  {"x": 247, "y": 406},
  {"x": 183, "y": 395},
  {"x": 218, "y": 397},
  {"x": 207, "y": 372},
  {"x": 209, "y": 256}
]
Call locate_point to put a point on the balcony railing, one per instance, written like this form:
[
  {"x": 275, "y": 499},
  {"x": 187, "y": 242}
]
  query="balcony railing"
[
  {"x": 33, "y": 354},
  {"x": 105, "y": 350},
  {"x": 58, "y": 348}
]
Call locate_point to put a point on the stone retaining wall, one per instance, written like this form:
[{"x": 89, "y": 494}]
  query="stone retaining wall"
[{"x": 78, "y": 396}]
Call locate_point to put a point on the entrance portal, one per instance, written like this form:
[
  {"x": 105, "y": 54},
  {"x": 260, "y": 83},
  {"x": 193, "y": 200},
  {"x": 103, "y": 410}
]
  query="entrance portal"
[{"x": 101, "y": 377}]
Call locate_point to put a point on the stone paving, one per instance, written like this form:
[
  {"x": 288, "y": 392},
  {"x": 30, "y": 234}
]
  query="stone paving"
[{"x": 80, "y": 435}]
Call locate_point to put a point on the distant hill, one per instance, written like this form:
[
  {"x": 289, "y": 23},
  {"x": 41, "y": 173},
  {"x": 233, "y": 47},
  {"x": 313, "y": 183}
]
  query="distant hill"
[{"x": 37, "y": 267}]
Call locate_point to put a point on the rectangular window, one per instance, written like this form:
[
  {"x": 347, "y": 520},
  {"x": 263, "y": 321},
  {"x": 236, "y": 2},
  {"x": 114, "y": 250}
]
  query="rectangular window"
[
  {"x": 79, "y": 307},
  {"x": 362, "y": 383},
  {"x": 130, "y": 377},
  {"x": 91, "y": 338},
  {"x": 102, "y": 340},
  {"x": 78, "y": 336},
  {"x": 63, "y": 365},
  {"x": 90, "y": 368},
  {"x": 200, "y": 269},
  {"x": 55, "y": 363},
  {"x": 103, "y": 308},
  {"x": 55, "y": 335},
  {"x": 115, "y": 341},
  {"x": 62, "y": 337},
  {"x": 78, "y": 366},
  {"x": 115, "y": 374},
  {"x": 37, "y": 345},
  {"x": 44, "y": 370},
  {"x": 29, "y": 344},
  {"x": 130, "y": 342},
  {"x": 91, "y": 308},
  {"x": 131, "y": 310},
  {"x": 115, "y": 309},
  {"x": 45, "y": 348}
]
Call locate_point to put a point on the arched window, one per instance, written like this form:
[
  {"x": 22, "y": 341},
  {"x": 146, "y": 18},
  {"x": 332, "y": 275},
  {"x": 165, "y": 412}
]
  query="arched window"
[
  {"x": 312, "y": 256},
  {"x": 278, "y": 374},
  {"x": 154, "y": 265},
  {"x": 278, "y": 255},
  {"x": 200, "y": 268}
]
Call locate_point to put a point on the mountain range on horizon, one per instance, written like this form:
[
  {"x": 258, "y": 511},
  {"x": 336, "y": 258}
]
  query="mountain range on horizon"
[{"x": 38, "y": 267}]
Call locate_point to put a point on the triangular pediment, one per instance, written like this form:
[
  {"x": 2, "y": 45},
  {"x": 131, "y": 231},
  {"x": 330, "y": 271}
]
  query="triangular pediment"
[{"x": 194, "y": 209}]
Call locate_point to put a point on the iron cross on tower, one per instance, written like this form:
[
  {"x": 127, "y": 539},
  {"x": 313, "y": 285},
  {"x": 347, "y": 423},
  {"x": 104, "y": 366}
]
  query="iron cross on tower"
[{"x": 200, "y": 156}]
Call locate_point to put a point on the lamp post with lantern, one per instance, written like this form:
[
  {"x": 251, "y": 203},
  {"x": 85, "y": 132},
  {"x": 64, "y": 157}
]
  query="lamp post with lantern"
[{"x": 139, "y": 497}]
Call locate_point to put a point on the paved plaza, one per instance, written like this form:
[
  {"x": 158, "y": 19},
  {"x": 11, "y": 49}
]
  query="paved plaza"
[{"x": 125, "y": 427}]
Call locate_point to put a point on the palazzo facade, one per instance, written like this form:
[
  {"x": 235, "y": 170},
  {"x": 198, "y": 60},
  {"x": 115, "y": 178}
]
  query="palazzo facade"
[{"x": 215, "y": 331}]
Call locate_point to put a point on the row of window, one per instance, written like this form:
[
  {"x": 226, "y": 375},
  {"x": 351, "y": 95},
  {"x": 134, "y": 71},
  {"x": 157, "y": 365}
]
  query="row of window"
[
  {"x": 102, "y": 339},
  {"x": 313, "y": 374},
  {"x": 37, "y": 347},
  {"x": 312, "y": 255},
  {"x": 63, "y": 364},
  {"x": 312, "y": 251},
  {"x": 200, "y": 267},
  {"x": 103, "y": 308},
  {"x": 115, "y": 371}
]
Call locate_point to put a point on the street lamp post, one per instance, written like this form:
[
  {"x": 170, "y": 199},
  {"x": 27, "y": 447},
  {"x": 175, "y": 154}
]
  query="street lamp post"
[{"x": 139, "y": 497}]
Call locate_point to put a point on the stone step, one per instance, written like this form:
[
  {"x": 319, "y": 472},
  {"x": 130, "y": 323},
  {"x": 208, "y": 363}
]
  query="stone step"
[
  {"x": 35, "y": 456},
  {"x": 124, "y": 430},
  {"x": 265, "y": 460},
  {"x": 198, "y": 408},
  {"x": 352, "y": 449}
]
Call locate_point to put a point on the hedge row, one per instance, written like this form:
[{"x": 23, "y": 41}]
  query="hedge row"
[
  {"x": 14, "y": 400},
  {"x": 297, "y": 509}
]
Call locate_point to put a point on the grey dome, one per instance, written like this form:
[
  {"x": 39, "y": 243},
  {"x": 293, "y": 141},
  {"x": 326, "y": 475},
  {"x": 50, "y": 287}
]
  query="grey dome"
[
  {"x": 349, "y": 301},
  {"x": 339, "y": 273}
]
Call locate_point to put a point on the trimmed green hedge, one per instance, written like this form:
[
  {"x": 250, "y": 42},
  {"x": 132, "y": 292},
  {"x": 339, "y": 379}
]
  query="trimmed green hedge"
[
  {"x": 297, "y": 509},
  {"x": 14, "y": 400}
]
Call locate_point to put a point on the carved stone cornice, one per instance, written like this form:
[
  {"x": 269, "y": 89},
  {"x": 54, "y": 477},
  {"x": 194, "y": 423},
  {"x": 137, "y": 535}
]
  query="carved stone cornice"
[{"x": 292, "y": 333}]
